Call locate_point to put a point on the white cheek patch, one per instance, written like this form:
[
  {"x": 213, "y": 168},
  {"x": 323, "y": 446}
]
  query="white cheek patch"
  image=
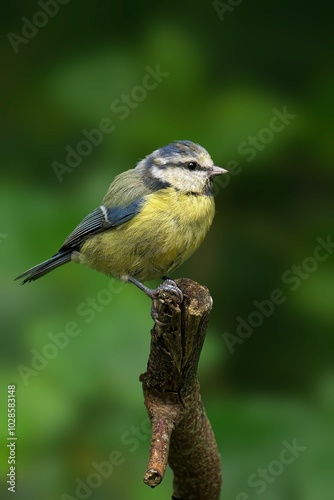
[{"x": 158, "y": 173}]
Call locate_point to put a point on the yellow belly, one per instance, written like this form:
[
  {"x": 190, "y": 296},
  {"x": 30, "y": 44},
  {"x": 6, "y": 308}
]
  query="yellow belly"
[{"x": 169, "y": 228}]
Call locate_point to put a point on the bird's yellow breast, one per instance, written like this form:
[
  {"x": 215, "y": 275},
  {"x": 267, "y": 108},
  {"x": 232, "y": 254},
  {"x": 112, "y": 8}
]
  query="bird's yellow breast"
[{"x": 169, "y": 228}]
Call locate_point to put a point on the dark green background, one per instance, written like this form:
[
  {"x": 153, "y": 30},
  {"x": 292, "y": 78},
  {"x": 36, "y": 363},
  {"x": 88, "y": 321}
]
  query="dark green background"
[{"x": 225, "y": 78}]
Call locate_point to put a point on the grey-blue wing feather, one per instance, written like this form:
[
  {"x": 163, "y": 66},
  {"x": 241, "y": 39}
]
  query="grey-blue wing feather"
[{"x": 99, "y": 220}]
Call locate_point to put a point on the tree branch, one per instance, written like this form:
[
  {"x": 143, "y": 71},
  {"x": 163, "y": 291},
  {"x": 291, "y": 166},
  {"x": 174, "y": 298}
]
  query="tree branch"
[{"x": 181, "y": 431}]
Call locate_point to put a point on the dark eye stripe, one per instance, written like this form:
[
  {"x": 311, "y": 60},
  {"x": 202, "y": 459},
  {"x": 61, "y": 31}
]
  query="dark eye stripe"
[{"x": 180, "y": 164}]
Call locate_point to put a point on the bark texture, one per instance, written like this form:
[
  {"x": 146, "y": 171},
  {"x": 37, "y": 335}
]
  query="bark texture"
[{"x": 181, "y": 432}]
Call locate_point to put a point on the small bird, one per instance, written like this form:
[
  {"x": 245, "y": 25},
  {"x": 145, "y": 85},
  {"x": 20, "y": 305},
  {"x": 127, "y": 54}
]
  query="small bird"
[{"x": 151, "y": 220}]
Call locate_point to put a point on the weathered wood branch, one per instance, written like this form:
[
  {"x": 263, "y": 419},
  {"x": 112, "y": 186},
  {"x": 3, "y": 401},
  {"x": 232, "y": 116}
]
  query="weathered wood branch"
[{"x": 181, "y": 431}]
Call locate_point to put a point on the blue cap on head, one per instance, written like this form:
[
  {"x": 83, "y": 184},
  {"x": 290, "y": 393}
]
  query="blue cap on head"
[
  {"x": 184, "y": 148},
  {"x": 175, "y": 150}
]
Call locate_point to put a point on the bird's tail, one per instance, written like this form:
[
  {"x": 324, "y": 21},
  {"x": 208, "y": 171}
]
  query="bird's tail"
[{"x": 45, "y": 267}]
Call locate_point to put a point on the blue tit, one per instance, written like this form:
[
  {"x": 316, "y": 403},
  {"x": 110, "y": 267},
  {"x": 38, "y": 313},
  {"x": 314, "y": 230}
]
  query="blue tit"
[{"x": 151, "y": 220}]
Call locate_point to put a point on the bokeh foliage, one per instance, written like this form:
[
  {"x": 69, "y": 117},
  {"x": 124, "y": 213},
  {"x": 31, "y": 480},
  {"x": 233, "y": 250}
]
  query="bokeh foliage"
[{"x": 225, "y": 78}]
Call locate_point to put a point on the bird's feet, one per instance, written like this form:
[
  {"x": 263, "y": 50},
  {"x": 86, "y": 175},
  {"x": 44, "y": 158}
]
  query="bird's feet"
[{"x": 169, "y": 285}]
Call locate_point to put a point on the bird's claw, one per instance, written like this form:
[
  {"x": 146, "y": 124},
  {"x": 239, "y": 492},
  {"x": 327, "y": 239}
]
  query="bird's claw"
[
  {"x": 172, "y": 287},
  {"x": 155, "y": 317},
  {"x": 169, "y": 286}
]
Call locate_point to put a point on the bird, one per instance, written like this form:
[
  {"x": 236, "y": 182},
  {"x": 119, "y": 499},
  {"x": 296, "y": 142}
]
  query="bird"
[{"x": 151, "y": 220}]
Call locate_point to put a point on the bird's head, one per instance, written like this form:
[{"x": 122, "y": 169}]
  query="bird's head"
[{"x": 184, "y": 165}]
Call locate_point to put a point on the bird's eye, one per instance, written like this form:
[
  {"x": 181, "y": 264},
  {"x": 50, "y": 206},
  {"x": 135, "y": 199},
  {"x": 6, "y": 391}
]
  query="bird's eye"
[{"x": 192, "y": 165}]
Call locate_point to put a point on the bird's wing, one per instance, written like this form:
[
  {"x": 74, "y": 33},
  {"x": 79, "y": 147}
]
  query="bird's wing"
[
  {"x": 99, "y": 220},
  {"x": 122, "y": 202}
]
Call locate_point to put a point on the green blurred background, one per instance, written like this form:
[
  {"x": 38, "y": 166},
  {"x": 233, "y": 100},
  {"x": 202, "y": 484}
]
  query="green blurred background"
[{"x": 227, "y": 72}]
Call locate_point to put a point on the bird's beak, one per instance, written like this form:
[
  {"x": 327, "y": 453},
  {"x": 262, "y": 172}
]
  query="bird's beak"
[{"x": 217, "y": 171}]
